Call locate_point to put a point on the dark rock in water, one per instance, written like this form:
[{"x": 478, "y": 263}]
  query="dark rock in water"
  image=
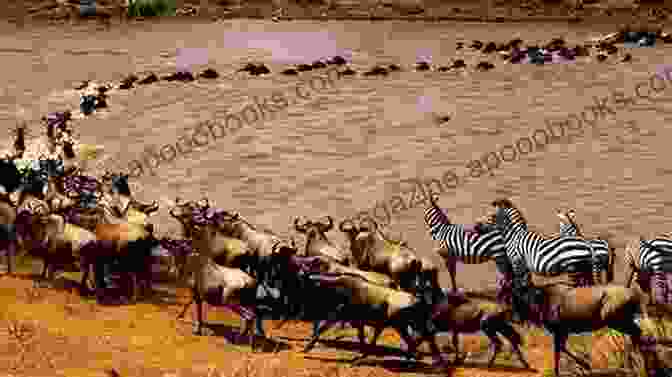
[
  {"x": 490, "y": 48},
  {"x": 627, "y": 58},
  {"x": 304, "y": 67},
  {"x": 422, "y": 66},
  {"x": 209, "y": 74},
  {"x": 336, "y": 60},
  {"x": 347, "y": 72},
  {"x": 459, "y": 63},
  {"x": 460, "y": 45},
  {"x": 394, "y": 67},
  {"x": 87, "y": 104},
  {"x": 376, "y": 71},
  {"x": 290, "y": 71},
  {"x": 149, "y": 79},
  {"x": 484, "y": 66},
  {"x": 82, "y": 85},
  {"x": 477, "y": 45},
  {"x": 601, "y": 57},
  {"x": 318, "y": 64}
]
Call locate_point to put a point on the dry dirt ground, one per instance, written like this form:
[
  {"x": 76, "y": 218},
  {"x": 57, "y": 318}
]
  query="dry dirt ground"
[{"x": 337, "y": 153}]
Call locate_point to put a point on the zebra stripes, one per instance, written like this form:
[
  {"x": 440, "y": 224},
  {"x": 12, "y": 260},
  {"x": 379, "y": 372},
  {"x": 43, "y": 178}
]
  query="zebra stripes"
[
  {"x": 532, "y": 252},
  {"x": 602, "y": 253},
  {"x": 460, "y": 245},
  {"x": 648, "y": 256}
]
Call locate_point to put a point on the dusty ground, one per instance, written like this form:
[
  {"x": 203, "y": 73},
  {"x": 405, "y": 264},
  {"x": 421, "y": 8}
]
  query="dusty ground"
[{"x": 335, "y": 154}]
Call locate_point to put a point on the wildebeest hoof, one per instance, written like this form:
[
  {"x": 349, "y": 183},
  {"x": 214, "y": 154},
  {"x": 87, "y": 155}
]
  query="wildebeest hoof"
[{"x": 202, "y": 331}]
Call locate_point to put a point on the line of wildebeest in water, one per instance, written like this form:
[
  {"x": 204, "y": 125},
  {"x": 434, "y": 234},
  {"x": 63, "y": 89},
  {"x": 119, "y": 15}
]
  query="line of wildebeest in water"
[
  {"x": 378, "y": 282},
  {"x": 557, "y": 50}
]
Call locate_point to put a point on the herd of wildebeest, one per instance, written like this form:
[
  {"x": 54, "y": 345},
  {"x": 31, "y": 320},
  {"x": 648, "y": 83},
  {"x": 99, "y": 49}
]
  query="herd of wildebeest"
[{"x": 55, "y": 212}]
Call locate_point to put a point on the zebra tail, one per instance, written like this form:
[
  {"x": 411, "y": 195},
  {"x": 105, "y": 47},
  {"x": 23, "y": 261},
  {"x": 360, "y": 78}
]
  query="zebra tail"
[{"x": 610, "y": 268}]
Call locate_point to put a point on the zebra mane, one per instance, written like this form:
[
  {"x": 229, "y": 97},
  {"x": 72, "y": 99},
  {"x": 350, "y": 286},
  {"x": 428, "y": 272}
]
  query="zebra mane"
[{"x": 439, "y": 214}]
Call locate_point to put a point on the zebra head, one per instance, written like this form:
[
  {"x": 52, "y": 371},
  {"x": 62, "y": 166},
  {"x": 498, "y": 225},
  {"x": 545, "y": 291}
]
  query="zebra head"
[
  {"x": 508, "y": 218},
  {"x": 512, "y": 224}
]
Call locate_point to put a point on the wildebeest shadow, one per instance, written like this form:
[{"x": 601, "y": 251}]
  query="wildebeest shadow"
[
  {"x": 354, "y": 346},
  {"x": 393, "y": 364},
  {"x": 233, "y": 336},
  {"x": 496, "y": 367}
]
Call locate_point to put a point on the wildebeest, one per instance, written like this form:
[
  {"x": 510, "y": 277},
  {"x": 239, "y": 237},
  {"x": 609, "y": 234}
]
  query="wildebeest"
[
  {"x": 564, "y": 310},
  {"x": 372, "y": 251},
  {"x": 364, "y": 303},
  {"x": 206, "y": 238},
  {"x": 317, "y": 242},
  {"x": 220, "y": 286},
  {"x": 9, "y": 183},
  {"x": 459, "y": 314}
]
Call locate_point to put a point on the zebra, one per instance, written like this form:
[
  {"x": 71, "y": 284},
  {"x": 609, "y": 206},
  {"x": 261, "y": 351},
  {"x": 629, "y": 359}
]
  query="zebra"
[
  {"x": 650, "y": 261},
  {"x": 531, "y": 252},
  {"x": 603, "y": 255},
  {"x": 465, "y": 245}
]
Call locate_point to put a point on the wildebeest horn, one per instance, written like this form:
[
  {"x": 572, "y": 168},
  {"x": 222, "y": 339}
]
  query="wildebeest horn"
[
  {"x": 369, "y": 220},
  {"x": 300, "y": 228},
  {"x": 349, "y": 223},
  {"x": 330, "y": 225}
]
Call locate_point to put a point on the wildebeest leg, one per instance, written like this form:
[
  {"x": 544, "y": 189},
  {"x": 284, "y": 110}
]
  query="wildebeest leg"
[
  {"x": 495, "y": 344},
  {"x": 514, "y": 338},
  {"x": 451, "y": 263},
  {"x": 11, "y": 252},
  {"x": 324, "y": 327},
  {"x": 361, "y": 334},
  {"x": 198, "y": 329},
  {"x": 560, "y": 345},
  {"x": 184, "y": 310}
]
